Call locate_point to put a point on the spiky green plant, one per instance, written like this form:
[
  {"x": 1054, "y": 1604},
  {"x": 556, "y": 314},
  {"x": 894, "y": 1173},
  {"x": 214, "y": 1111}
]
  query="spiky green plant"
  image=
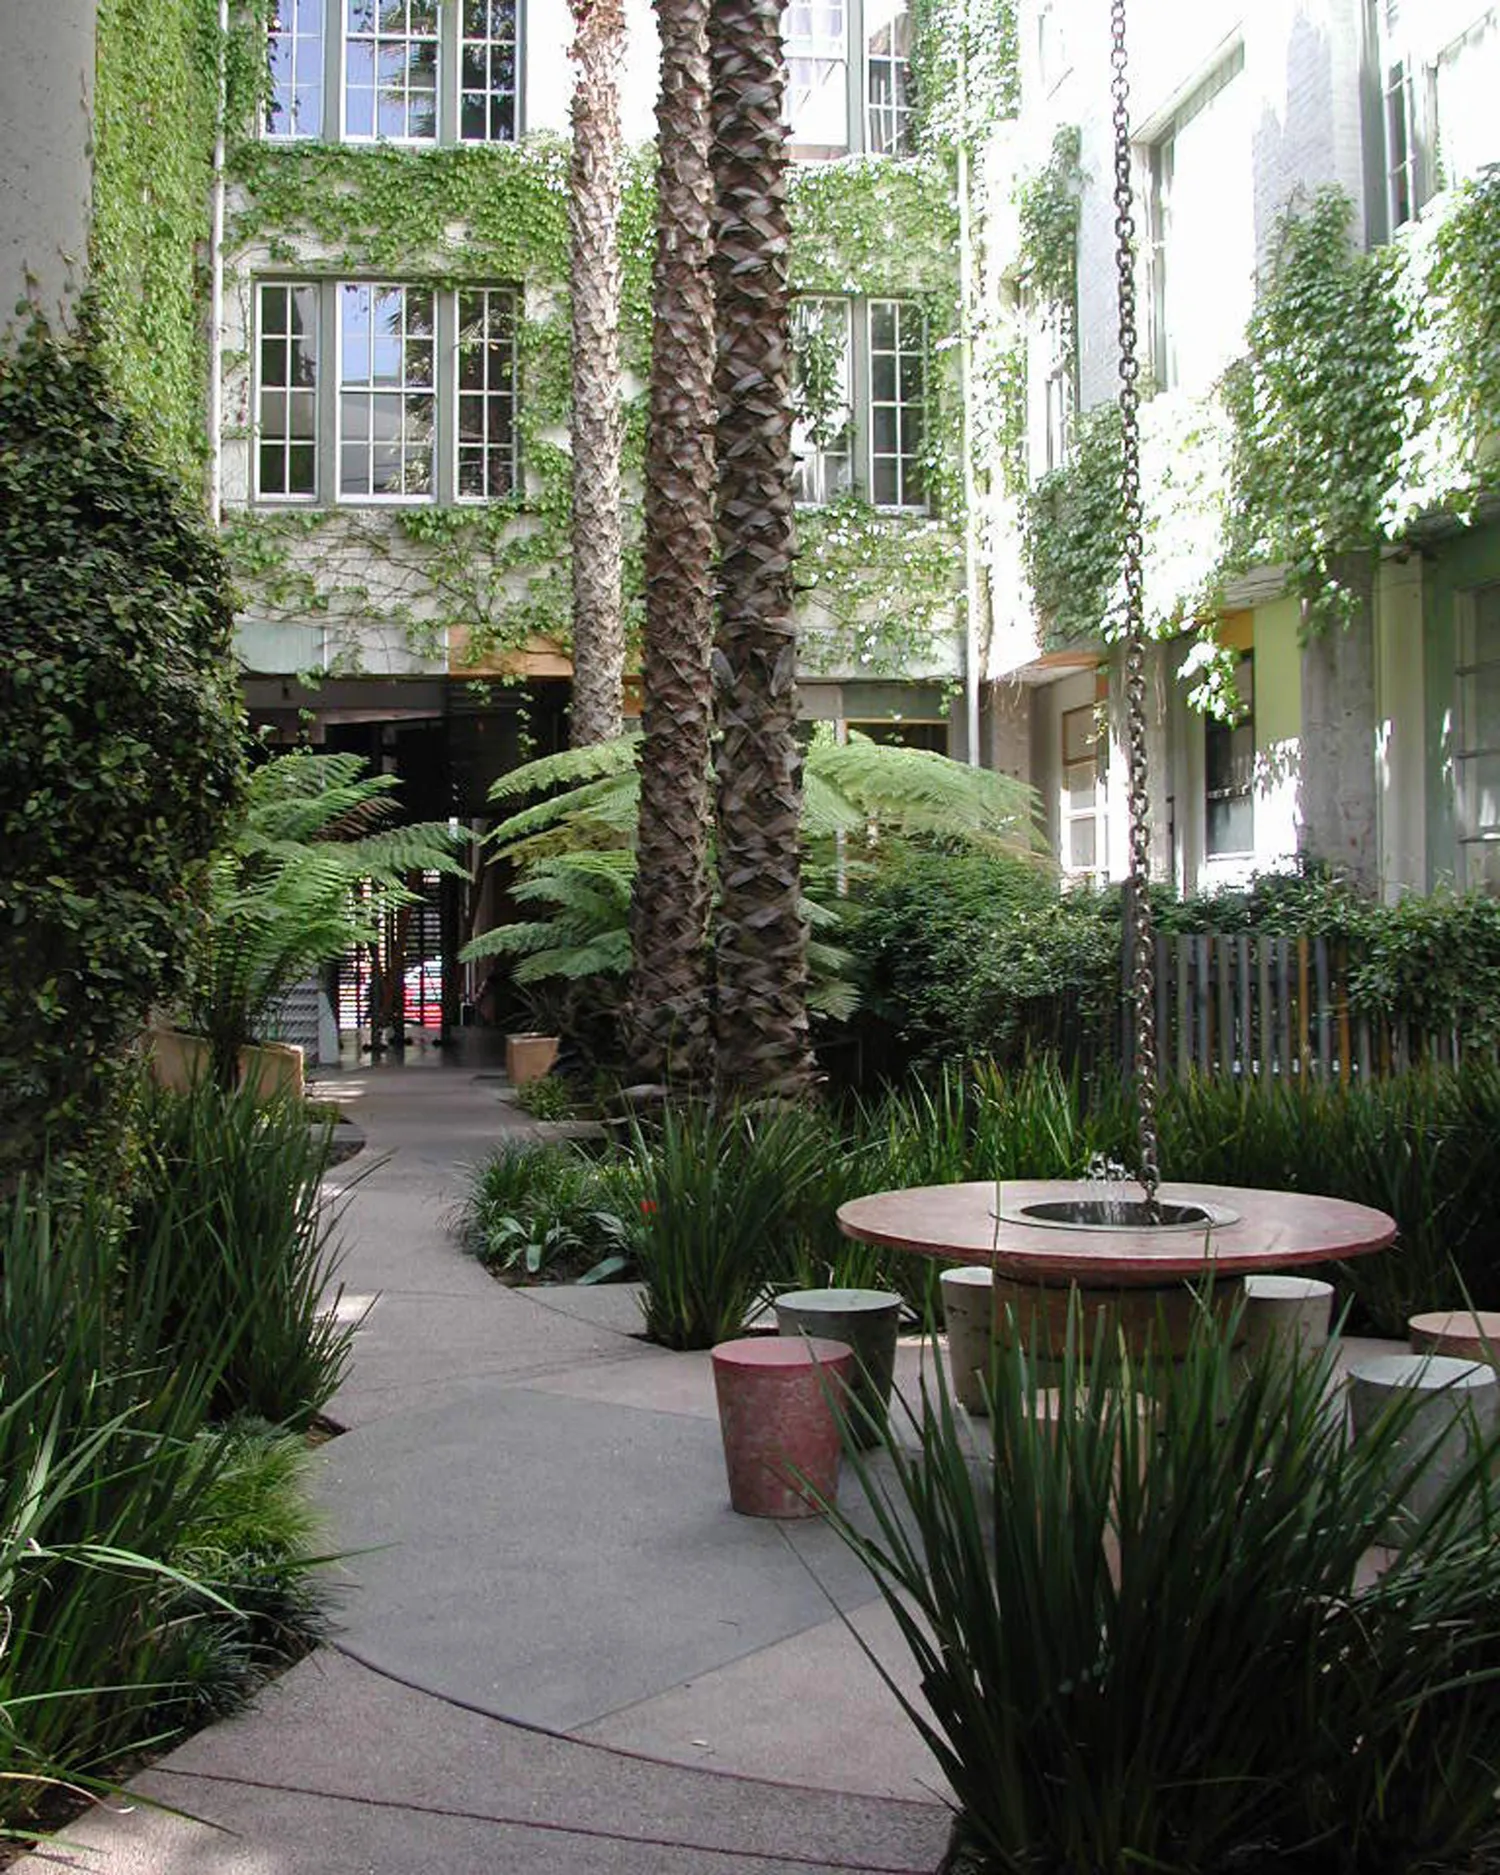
[
  {"x": 1144, "y": 1635},
  {"x": 310, "y": 872}
]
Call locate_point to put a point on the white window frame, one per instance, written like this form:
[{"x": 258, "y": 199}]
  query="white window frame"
[
  {"x": 319, "y": 11},
  {"x": 258, "y": 386},
  {"x": 406, "y": 38},
  {"x": 903, "y": 308},
  {"x": 463, "y": 41},
  {"x": 512, "y": 295},
  {"x": 374, "y": 499},
  {"x": 813, "y": 490},
  {"x": 830, "y": 54},
  {"x": 1093, "y": 815},
  {"x": 899, "y": 109}
]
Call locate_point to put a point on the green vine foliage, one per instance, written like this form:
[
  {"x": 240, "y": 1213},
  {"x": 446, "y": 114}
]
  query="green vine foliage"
[
  {"x": 120, "y": 758},
  {"x": 155, "y": 113},
  {"x": 1367, "y": 399},
  {"x": 965, "y": 70},
  {"x": 883, "y": 588},
  {"x": 1048, "y": 205},
  {"x": 1315, "y": 404}
]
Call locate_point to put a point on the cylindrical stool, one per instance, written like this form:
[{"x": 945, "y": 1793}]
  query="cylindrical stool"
[
  {"x": 1451, "y": 1390},
  {"x": 1292, "y": 1312},
  {"x": 969, "y": 1317},
  {"x": 776, "y": 1412},
  {"x": 1466, "y": 1334},
  {"x": 865, "y": 1320}
]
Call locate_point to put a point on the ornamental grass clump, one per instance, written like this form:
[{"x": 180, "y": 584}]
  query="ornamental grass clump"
[
  {"x": 230, "y": 1230},
  {"x": 1143, "y": 1632},
  {"x": 722, "y": 1189}
]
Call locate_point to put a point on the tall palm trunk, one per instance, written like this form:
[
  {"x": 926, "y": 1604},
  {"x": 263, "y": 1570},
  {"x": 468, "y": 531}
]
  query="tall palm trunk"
[
  {"x": 594, "y": 214},
  {"x": 761, "y": 948},
  {"x": 669, "y": 1000}
]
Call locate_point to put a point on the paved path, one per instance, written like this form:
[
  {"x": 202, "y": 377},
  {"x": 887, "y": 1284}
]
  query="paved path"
[{"x": 559, "y": 1651}]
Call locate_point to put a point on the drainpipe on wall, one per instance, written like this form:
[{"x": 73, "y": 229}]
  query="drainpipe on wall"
[
  {"x": 966, "y": 377},
  {"x": 216, "y": 291}
]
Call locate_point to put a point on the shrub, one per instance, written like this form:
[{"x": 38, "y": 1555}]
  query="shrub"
[
  {"x": 553, "y": 1212},
  {"x": 1141, "y": 1633},
  {"x": 113, "y": 1495},
  {"x": 119, "y": 760},
  {"x": 964, "y": 957},
  {"x": 227, "y": 1216}
]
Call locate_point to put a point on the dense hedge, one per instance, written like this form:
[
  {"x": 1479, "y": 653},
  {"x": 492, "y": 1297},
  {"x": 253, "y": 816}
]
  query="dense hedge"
[
  {"x": 963, "y": 958},
  {"x": 119, "y": 756}
]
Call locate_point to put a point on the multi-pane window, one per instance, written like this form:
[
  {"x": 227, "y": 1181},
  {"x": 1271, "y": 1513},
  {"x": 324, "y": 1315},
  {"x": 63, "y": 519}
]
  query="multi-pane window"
[
  {"x": 387, "y": 401},
  {"x": 1229, "y": 772},
  {"x": 487, "y": 72},
  {"x": 1476, "y": 759},
  {"x": 294, "y": 52},
  {"x": 887, "y": 78},
  {"x": 486, "y": 393},
  {"x": 391, "y": 70},
  {"x": 286, "y": 465},
  {"x": 816, "y": 38},
  {"x": 420, "y": 407},
  {"x": 898, "y": 383},
  {"x": 1082, "y": 795},
  {"x": 823, "y": 432}
]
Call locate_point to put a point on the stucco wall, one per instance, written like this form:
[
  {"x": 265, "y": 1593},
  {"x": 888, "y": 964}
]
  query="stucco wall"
[
  {"x": 1452, "y": 566},
  {"x": 46, "y": 99}
]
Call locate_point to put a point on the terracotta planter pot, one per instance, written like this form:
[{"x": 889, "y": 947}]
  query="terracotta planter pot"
[
  {"x": 529, "y": 1057},
  {"x": 178, "y": 1059}
]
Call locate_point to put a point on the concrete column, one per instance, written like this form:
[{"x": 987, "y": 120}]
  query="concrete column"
[
  {"x": 1337, "y": 809},
  {"x": 46, "y": 113}
]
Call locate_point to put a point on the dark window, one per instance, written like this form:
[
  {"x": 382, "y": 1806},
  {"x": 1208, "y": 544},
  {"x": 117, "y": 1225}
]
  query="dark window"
[{"x": 1229, "y": 772}]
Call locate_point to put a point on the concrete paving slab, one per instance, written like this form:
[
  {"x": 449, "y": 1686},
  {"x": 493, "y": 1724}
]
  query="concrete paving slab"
[
  {"x": 339, "y": 1771},
  {"x": 653, "y": 1380},
  {"x": 603, "y": 1305},
  {"x": 556, "y": 1560},
  {"x": 815, "y": 1700}
]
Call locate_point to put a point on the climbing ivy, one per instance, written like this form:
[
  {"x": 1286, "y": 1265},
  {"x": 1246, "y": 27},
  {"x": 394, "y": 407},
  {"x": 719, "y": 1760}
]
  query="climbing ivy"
[
  {"x": 965, "y": 71},
  {"x": 1048, "y": 206},
  {"x": 1367, "y": 397},
  {"x": 883, "y": 586},
  {"x": 154, "y": 123}
]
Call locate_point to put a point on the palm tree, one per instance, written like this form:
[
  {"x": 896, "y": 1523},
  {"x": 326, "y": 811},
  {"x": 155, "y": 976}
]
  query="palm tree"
[
  {"x": 668, "y": 1023},
  {"x": 761, "y": 1035},
  {"x": 594, "y": 217}
]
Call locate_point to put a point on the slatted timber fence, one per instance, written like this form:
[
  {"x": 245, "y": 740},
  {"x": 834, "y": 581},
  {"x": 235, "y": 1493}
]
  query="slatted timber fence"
[{"x": 1251, "y": 1005}]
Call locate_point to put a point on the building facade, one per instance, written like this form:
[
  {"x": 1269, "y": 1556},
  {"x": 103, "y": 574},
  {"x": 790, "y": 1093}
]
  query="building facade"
[{"x": 1363, "y": 736}]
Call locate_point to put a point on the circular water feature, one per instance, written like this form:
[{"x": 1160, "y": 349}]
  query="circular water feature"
[{"x": 1117, "y": 1213}]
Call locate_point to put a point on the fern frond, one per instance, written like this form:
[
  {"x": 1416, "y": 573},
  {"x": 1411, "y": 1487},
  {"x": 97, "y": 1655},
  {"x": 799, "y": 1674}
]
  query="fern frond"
[
  {"x": 613, "y": 800},
  {"x": 568, "y": 768}
]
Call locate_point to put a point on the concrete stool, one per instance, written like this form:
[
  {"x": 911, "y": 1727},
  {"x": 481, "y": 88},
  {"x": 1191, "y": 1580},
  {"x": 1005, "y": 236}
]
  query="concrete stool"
[
  {"x": 1293, "y": 1312},
  {"x": 776, "y": 1413},
  {"x": 865, "y": 1320},
  {"x": 969, "y": 1317},
  {"x": 1451, "y": 1390},
  {"x": 1466, "y": 1334}
]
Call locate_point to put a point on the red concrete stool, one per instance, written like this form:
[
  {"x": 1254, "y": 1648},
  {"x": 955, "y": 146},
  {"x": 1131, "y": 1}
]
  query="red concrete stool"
[
  {"x": 777, "y": 1417},
  {"x": 1467, "y": 1334}
]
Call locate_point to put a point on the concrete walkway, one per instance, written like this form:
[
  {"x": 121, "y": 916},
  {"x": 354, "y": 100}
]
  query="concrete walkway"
[{"x": 559, "y": 1651}]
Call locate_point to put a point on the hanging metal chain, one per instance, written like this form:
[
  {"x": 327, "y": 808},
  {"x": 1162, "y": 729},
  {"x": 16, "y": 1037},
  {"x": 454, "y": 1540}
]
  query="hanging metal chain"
[{"x": 1143, "y": 953}]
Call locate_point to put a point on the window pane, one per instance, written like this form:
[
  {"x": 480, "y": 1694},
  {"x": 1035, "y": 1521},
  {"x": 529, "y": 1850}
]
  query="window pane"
[
  {"x": 294, "y": 52},
  {"x": 487, "y": 68},
  {"x": 385, "y": 391},
  {"x": 816, "y": 40},
  {"x": 485, "y": 371},
  {"x": 286, "y": 369},
  {"x": 394, "y": 52}
]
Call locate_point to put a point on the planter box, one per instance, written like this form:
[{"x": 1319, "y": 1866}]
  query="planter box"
[
  {"x": 180, "y": 1059},
  {"x": 529, "y": 1057}
]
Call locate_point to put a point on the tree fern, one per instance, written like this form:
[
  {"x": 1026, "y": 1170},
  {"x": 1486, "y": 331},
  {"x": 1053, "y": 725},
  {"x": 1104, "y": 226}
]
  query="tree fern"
[{"x": 310, "y": 872}]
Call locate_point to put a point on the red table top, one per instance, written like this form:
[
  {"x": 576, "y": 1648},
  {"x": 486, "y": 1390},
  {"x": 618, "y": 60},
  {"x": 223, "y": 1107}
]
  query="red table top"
[{"x": 1269, "y": 1230}]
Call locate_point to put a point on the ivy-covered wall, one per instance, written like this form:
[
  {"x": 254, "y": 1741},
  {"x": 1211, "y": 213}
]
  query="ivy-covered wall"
[
  {"x": 155, "y": 111},
  {"x": 395, "y": 587},
  {"x": 1367, "y": 397}
]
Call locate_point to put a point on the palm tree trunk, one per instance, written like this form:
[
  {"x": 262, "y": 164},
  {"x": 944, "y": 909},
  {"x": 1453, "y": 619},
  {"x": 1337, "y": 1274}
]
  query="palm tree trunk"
[
  {"x": 669, "y": 993},
  {"x": 761, "y": 949},
  {"x": 594, "y": 215}
]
